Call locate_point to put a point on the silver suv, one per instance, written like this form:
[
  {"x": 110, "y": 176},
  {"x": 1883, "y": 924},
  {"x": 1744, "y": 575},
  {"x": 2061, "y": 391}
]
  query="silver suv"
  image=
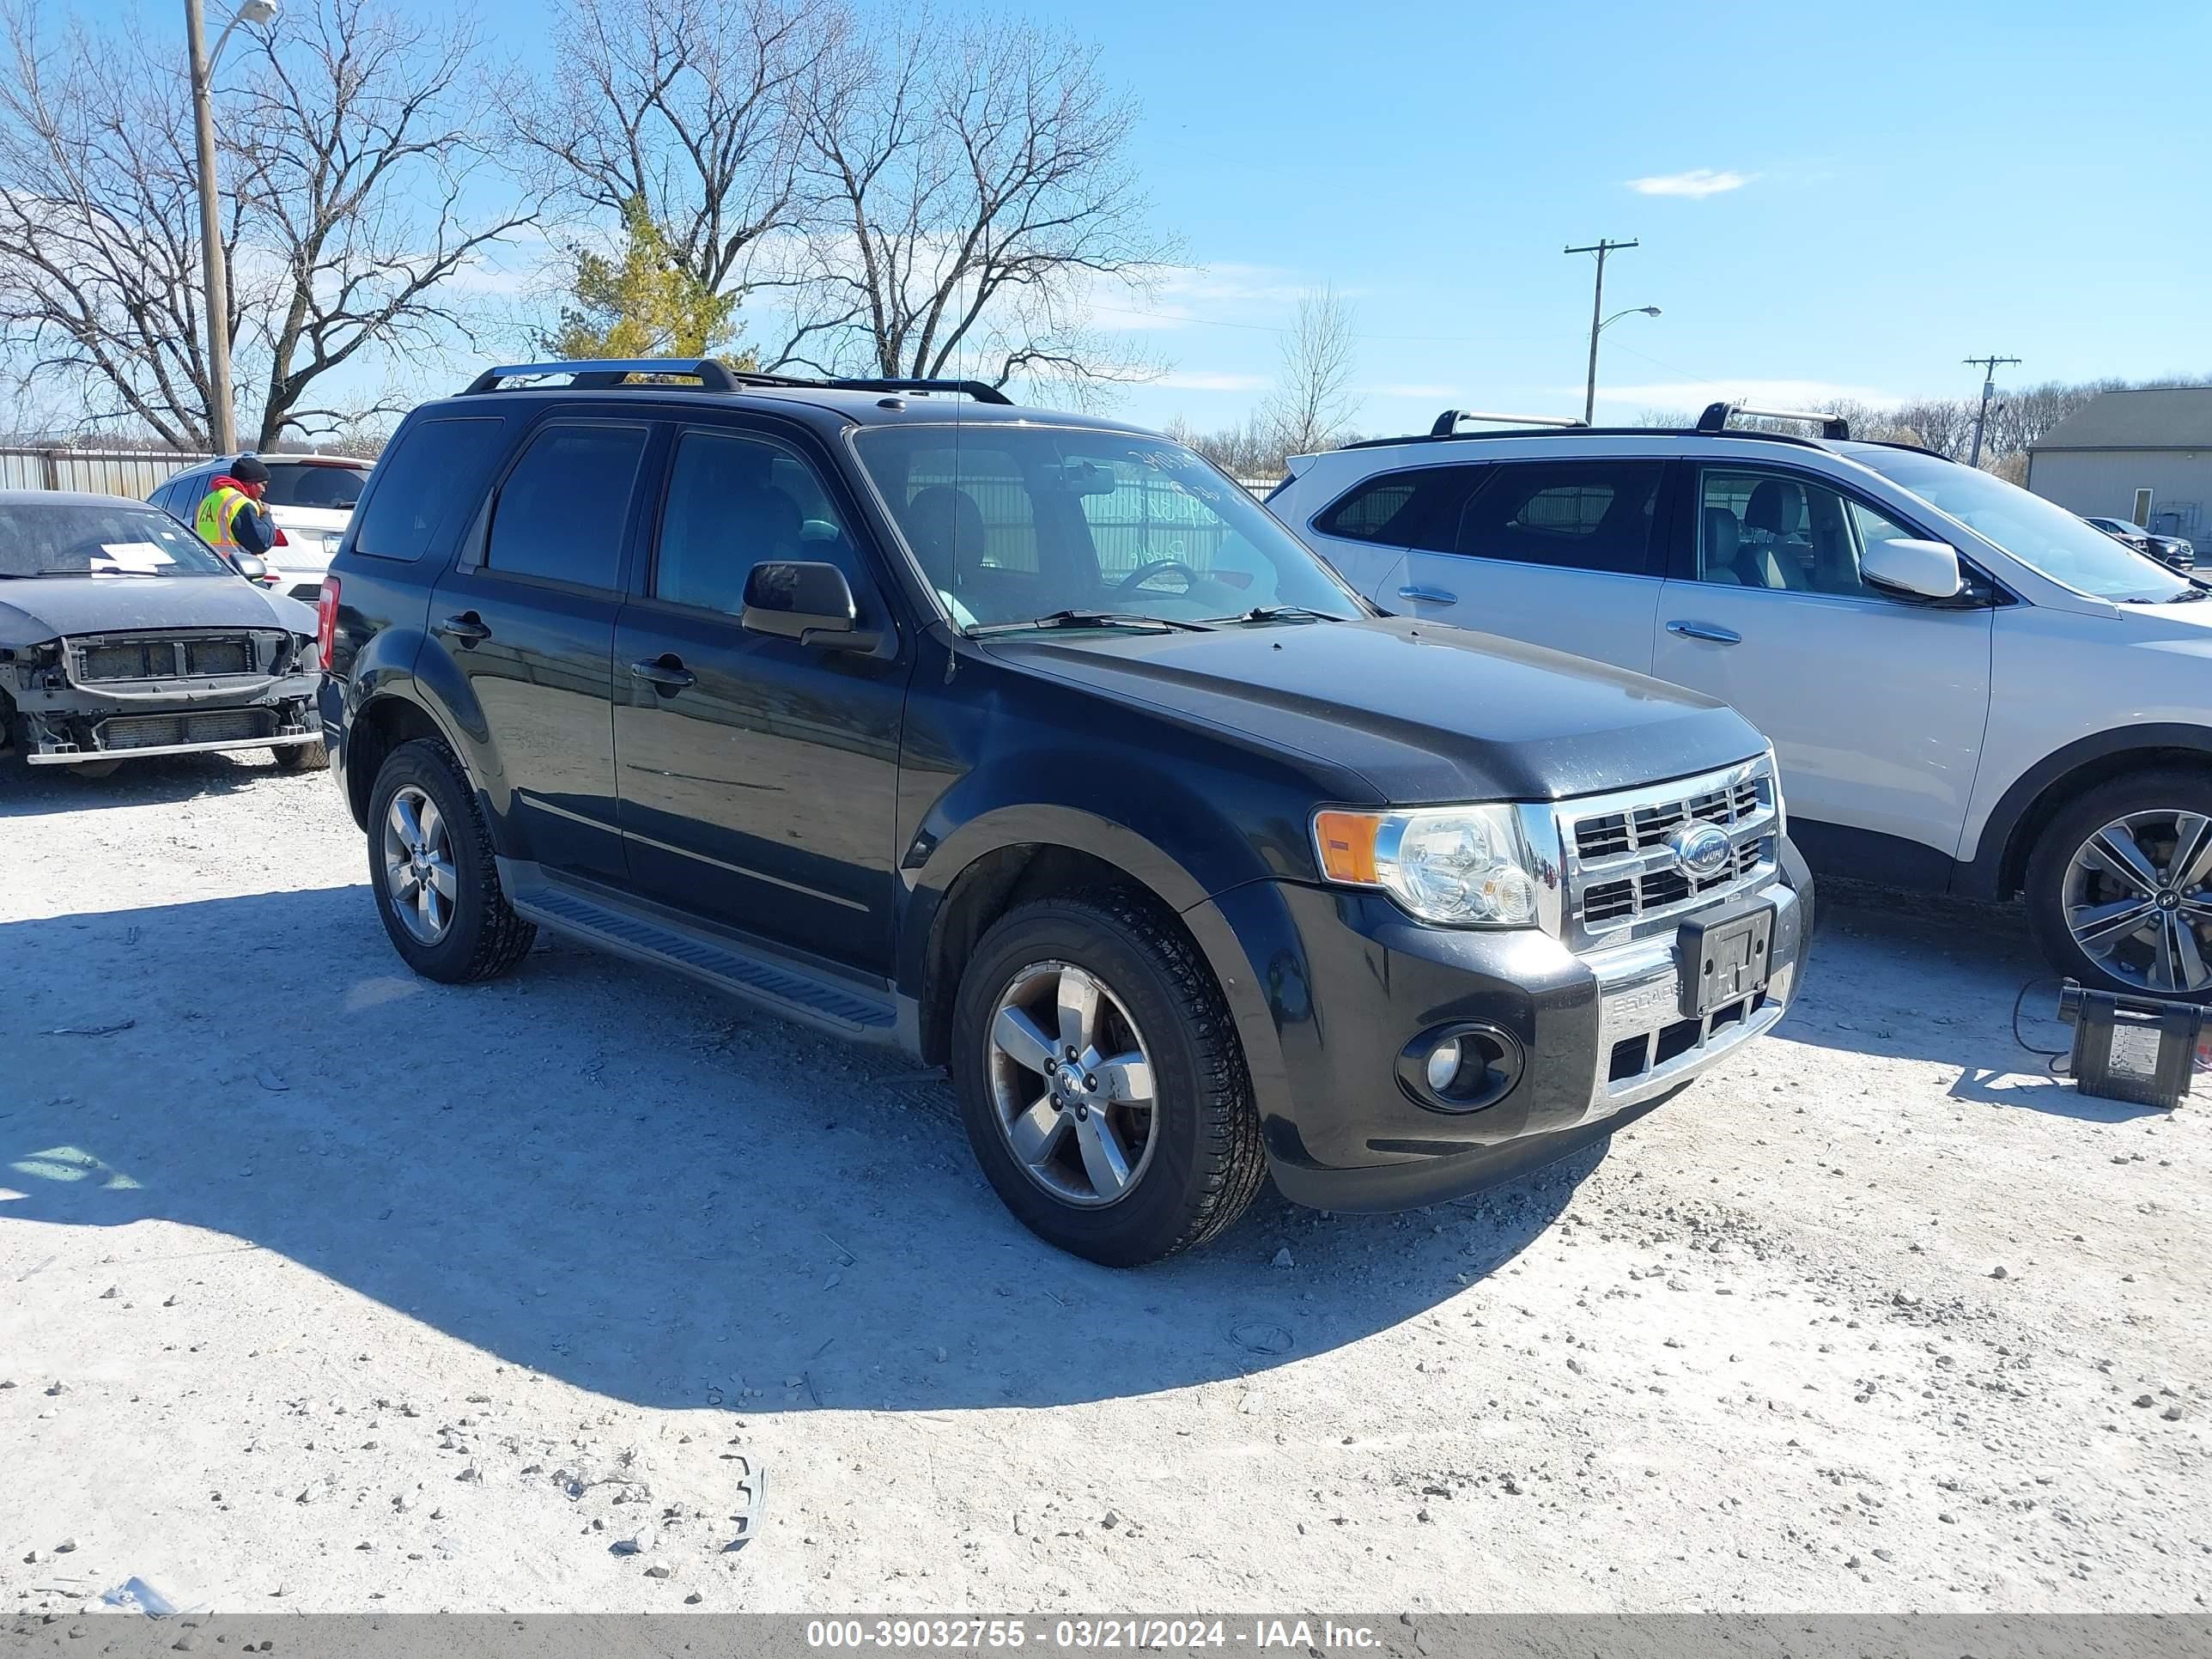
[{"x": 1969, "y": 690}]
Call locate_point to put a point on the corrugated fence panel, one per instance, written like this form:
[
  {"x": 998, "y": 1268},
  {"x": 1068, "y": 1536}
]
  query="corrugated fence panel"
[{"x": 101, "y": 472}]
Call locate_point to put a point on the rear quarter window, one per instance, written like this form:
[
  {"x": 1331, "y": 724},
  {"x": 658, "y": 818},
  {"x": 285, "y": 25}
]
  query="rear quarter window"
[
  {"x": 429, "y": 481},
  {"x": 1392, "y": 508}
]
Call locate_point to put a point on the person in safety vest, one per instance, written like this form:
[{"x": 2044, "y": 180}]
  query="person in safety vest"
[{"x": 231, "y": 518}]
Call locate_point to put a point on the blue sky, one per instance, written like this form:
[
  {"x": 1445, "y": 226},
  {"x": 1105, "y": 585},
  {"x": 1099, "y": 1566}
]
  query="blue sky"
[{"x": 1904, "y": 186}]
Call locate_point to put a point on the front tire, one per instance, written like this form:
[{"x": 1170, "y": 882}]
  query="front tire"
[
  {"x": 2119, "y": 886},
  {"x": 1101, "y": 1081},
  {"x": 431, "y": 868}
]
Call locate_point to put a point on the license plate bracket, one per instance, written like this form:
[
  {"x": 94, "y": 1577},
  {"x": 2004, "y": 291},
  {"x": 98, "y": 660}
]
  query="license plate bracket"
[{"x": 1726, "y": 956}]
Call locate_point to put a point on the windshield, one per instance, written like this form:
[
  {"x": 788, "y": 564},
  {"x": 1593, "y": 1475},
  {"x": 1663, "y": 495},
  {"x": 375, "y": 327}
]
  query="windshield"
[
  {"x": 73, "y": 538},
  {"x": 301, "y": 484},
  {"x": 1012, "y": 524},
  {"x": 2039, "y": 534}
]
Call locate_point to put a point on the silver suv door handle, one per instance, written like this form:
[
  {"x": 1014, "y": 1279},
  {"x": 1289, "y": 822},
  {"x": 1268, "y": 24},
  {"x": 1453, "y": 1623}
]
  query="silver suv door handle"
[
  {"x": 1694, "y": 631},
  {"x": 1433, "y": 595}
]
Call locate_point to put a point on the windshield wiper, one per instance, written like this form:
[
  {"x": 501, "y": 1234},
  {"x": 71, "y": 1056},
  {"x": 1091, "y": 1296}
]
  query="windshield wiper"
[
  {"x": 1076, "y": 618},
  {"x": 1261, "y": 613}
]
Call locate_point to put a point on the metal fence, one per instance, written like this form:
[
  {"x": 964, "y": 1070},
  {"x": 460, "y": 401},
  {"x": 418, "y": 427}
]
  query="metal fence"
[{"x": 134, "y": 472}]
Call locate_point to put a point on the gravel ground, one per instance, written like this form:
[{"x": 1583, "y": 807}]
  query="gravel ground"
[{"x": 323, "y": 1288}]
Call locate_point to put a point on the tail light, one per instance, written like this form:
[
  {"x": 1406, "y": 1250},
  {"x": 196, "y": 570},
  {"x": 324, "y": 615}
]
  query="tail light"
[
  {"x": 283, "y": 540},
  {"x": 326, "y": 620}
]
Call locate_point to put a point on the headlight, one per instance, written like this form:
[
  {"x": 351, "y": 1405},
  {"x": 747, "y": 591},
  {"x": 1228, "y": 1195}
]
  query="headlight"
[{"x": 1464, "y": 867}]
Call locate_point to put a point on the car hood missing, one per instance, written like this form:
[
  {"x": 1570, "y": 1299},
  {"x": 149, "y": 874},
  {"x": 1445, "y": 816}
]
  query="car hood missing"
[
  {"x": 40, "y": 607},
  {"x": 1424, "y": 712}
]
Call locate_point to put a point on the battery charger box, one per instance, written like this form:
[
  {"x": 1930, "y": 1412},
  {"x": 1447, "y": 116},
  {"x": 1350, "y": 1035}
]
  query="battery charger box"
[{"x": 2139, "y": 1049}]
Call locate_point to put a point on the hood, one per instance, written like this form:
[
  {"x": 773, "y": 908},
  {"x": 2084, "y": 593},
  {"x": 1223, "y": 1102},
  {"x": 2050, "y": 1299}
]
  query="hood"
[
  {"x": 36, "y": 609},
  {"x": 1423, "y": 712}
]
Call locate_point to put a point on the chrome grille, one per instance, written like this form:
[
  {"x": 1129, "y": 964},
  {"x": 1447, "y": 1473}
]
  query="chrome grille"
[
  {"x": 1612, "y": 833},
  {"x": 1621, "y": 870}
]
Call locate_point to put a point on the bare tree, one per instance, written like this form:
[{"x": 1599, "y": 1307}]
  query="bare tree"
[
  {"x": 349, "y": 143},
  {"x": 687, "y": 107},
  {"x": 968, "y": 185},
  {"x": 360, "y": 141},
  {"x": 1313, "y": 402},
  {"x": 99, "y": 229}
]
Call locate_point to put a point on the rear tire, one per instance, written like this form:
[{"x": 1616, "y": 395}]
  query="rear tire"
[
  {"x": 467, "y": 931},
  {"x": 1096, "y": 1177},
  {"x": 303, "y": 758},
  {"x": 2119, "y": 886}
]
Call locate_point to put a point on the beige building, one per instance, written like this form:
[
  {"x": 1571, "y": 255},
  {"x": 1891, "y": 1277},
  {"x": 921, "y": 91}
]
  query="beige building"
[{"x": 2145, "y": 456}]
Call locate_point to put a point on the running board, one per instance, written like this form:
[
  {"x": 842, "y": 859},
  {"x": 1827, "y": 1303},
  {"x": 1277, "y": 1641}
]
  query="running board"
[{"x": 774, "y": 983}]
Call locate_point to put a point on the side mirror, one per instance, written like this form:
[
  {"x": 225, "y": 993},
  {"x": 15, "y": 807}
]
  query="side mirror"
[
  {"x": 1926, "y": 570},
  {"x": 251, "y": 566},
  {"x": 810, "y": 603}
]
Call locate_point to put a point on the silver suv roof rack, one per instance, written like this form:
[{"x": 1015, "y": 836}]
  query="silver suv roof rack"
[
  {"x": 600, "y": 374},
  {"x": 1717, "y": 415},
  {"x": 1451, "y": 420}
]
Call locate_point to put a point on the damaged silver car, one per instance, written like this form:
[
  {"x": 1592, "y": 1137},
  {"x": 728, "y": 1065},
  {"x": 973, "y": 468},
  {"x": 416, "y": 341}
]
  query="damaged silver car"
[{"x": 123, "y": 636}]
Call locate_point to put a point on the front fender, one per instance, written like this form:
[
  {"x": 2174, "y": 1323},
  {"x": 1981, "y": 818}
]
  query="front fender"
[{"x": 1214, "y": 857}]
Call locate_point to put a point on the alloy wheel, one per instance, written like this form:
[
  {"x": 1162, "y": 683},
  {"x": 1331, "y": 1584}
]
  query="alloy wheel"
[
  {"x": 2138, "y": 899},
  {"x": 418, "y": 865},
  {"x": 1072, "y": 1082}
]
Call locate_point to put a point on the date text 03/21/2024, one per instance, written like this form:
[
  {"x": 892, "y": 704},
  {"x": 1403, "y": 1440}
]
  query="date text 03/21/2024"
[{"x": 1258, "y": 1635}]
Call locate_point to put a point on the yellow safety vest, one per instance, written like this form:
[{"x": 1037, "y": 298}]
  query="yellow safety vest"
[{"x": 218, "y": 514}]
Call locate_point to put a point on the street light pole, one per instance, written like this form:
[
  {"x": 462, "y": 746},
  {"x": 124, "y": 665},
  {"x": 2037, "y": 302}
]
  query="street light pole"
[
  {"x": 1601, "y": 247},
  {"x": 214, "y": 279}
]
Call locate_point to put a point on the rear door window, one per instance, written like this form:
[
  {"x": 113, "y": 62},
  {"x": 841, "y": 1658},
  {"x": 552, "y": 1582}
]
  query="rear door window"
[
  {"x": 1583, "y": 515},
  {"x": 563, "y": 512},
  {"x": 431, "y": 477}
]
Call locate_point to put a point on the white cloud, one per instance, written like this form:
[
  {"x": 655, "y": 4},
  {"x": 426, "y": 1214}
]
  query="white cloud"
[
  {"x": 1775, "y": 394},
  {"x": 1205, "y": 380},
  {"x": 1696, "y": 182}
]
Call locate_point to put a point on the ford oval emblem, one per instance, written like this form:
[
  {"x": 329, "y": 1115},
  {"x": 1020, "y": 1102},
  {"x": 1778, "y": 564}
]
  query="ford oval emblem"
[{"x": 1701, "y": 849}]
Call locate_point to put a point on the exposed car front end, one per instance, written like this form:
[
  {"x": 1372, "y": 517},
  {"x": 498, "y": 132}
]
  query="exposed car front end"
[
  {"x": 122, "y": 636},
  {"x": 90, "y": 698}
]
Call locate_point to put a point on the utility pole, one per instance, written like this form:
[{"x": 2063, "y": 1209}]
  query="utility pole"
[
  {"x": 1601, "y": 247},
  {"x": 1989, "y": 368},
  {"x": 222, "y": 420}
]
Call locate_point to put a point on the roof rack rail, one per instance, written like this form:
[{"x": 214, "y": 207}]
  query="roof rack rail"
[
  {"x": 981, "y": 390},
  {"x": 596, "y": 374},
  {"x": 1448, "y": 421},
  {"x": 1716, "y": 417}
]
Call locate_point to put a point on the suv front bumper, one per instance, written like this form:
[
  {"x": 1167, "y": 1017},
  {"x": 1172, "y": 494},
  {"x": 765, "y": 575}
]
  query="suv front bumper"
[{"x": 1349, "y": 980}]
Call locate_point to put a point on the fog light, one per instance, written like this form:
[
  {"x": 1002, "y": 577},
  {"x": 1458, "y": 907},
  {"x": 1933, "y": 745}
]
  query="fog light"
[
  {"x": 1460, "y": 1067},
  {"x": 1444, "y": 1065}
]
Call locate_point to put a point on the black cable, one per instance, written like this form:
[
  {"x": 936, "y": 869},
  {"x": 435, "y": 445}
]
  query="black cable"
[{"x": 2049, "y": 1056}]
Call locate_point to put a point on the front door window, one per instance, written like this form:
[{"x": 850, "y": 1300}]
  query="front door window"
[{"x": 1778, "y": 531}]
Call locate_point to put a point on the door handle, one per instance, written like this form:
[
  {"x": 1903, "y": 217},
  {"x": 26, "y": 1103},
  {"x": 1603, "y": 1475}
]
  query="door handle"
[
  {"x": 665, "y": 672},
  {"x": 1696, "y": 630},
  {"x": 468, "y": 628},
  {"x": 1433, "y": 595}
]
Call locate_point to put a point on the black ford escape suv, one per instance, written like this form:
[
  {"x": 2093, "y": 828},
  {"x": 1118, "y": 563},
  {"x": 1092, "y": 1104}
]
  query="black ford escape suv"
[{"x": 1029, "y": 743}]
